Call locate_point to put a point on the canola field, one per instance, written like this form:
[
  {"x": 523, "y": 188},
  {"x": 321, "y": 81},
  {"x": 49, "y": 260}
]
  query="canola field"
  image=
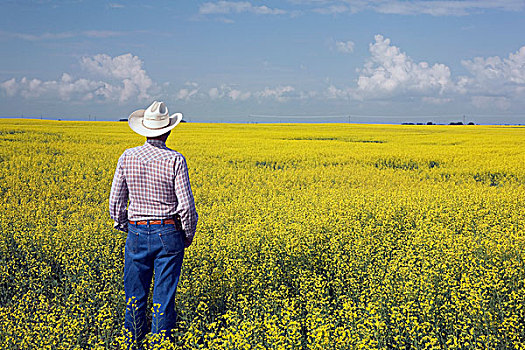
[{"x": 311, "y": 236}]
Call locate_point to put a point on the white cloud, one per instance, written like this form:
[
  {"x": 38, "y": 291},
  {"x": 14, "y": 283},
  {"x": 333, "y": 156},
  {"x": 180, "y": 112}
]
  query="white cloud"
[
  {"x": 227, "y": 7},
  {"x": 125, "y": 68},
  {"x": 332, "y": 10},
  {"x": 97, "y": 34},
  {"x": 101, "y": 33},
  {"x": 10, "y": 87},
  {"x": 38, "y": 37},
  {"x": 34, "y": 87},
  {"x": 344, "y": 46},
  {"x": 66, "y": 88},
  {"x": 413, "y": 7},
  {"x": 235, "y": 95},
  {"x": 226, "y": 91},
  {"x": 390, "y": 71},
  {"x": 436, "y": 100},
  {"x": 334, "y": 93},
  {"x": 445, "y": 8},
  {"x": 495, "y": 82},
  {"x": 128, "y": 80},
  {"x": 186, "y": 94},
  {"x": 492, "y": 83},
  {"x": 219, "y": 92},
  {"x": 191, "y": 90},
  {"x": 280, "y": 93},
  {"x": 493, "y": 70},
  {"x": 214, "y": 93}
]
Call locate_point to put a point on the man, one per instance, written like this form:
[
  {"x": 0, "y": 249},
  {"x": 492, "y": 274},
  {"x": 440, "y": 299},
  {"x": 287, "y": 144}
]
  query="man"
[{"x": 160, "y": 221}]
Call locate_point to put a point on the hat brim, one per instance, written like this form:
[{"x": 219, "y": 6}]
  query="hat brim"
[{"x": 135, "y": 123}]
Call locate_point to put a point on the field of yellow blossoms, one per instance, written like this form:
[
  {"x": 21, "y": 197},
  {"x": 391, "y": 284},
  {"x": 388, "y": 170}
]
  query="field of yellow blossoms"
[{"x": 311, "y": 236}]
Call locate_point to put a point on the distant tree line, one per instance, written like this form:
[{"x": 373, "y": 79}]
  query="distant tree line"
[{"x": 431, "y": 123}]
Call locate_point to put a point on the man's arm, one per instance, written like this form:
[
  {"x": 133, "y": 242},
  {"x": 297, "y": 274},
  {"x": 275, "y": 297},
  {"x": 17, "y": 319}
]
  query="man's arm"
[
  {"x": 186, "y": 204},
  {"x": 118, "y": 198}
]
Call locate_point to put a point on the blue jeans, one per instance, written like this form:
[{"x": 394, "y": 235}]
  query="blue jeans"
[{"x": 152, "y": 249}]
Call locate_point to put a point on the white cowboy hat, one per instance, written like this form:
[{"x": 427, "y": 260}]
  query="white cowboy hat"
[{"x": 154, "y": 121}]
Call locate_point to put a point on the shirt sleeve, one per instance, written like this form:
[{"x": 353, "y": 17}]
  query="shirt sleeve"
[
  {"x": 118, "y": 198},
  {"x": 185, "y": 202}
]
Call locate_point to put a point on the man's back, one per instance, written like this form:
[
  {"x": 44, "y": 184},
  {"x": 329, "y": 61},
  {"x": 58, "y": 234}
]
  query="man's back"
[{"x": 155, "y": 180}]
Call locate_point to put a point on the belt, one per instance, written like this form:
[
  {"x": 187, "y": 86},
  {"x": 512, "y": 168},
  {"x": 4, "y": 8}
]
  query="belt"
[{"x": 156, "y": 222}]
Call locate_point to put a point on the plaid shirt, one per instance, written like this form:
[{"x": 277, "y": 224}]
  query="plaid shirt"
[{"x": 155, "y": 180}]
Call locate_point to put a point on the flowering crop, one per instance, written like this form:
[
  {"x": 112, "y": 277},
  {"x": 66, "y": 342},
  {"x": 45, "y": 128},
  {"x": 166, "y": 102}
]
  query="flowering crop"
[{"x": 328, "y": 236}]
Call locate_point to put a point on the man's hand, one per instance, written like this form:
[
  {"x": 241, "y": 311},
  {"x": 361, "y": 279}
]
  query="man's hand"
[
  {"x": 121, "y": 227},
  {"x": 187, "y": 241}
]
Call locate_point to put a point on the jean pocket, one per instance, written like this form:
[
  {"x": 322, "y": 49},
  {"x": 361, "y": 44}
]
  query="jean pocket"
[
  {"x": 172, "y": 241},
  {"x": 132, "y": 242}
]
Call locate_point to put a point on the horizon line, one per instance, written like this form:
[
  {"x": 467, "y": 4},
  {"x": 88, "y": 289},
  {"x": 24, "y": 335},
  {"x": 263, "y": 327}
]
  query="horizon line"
[{"x": 451, "y": 123}]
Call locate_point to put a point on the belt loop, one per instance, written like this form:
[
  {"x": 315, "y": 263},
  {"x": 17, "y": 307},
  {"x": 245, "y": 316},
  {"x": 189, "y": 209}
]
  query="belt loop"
[{"x": 162, "y": 221}]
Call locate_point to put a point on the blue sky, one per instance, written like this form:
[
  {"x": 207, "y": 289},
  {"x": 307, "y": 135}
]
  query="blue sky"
[{"x": 375, "y": 60}]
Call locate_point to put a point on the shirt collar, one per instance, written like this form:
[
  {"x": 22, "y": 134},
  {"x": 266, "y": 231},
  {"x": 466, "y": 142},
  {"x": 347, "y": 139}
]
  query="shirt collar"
[{"x": 157, "y": 143}]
